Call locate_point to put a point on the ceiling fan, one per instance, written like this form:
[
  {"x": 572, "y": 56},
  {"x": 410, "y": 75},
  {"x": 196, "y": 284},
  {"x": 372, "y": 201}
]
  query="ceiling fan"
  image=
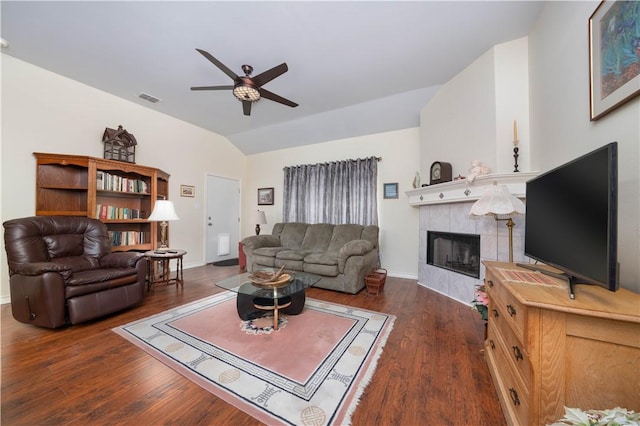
[{"x": 249, "y": 89}]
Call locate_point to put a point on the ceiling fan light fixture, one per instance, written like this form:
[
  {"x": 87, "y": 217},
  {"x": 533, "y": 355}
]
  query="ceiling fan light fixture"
[{"x": 246, "y": 92}]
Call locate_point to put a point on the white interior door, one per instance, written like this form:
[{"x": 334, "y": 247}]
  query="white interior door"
[{"x": 223, "y": 218}]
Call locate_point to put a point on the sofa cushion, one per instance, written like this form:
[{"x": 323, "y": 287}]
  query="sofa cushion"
[
  {"x": 322, "y": 258},
  {"x": 342, "y": 234},
  {"x": 292, "y": 254},
  {"x": 292, "y": 235},
  {"x": 268, "y": 251},
  {"x": 325, "y": 270},
  {"x": 318, "y": 237}
]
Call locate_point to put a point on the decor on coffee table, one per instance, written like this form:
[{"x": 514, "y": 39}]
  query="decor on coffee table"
[
  {"x": 257, "y": 294},
  {"x": 335, "y": 349}
]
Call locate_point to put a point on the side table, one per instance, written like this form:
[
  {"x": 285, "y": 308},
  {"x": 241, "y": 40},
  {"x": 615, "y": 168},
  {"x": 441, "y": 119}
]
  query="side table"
[{"x": 164, "y": 257}]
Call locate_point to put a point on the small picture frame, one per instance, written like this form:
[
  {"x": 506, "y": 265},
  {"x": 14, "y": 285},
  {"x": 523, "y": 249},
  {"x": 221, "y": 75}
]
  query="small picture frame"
[
  {"x": 391, "y": 190},
  {"x": 187, "y": 191},
  {"x": 265, "y": 196}
]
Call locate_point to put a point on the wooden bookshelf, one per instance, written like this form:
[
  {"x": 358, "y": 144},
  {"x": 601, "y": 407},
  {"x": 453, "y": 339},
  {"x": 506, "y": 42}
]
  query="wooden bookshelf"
[{"x": 120, "y": 194}]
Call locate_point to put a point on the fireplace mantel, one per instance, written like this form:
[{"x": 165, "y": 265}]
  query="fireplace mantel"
[{"x": 461, "y": 190}]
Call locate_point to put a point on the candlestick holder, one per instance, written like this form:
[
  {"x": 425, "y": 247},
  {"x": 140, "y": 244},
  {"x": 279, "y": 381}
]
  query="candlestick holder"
[{"x": 515, "y": 158}]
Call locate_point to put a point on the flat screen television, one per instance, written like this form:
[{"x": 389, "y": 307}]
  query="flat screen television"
[{"x": 571, "y": 221}]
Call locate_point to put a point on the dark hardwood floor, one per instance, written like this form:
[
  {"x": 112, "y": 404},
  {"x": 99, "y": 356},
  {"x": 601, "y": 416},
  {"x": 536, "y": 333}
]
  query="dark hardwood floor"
[{"x": 431, "y": 372}]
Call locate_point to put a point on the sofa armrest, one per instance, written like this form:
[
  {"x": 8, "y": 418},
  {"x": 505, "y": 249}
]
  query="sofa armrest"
[
  {"x": 353, "y": 248},
  {"x": 256, "y": 241},
  {"x": 120, "y": 259},
  {"x": 39, "y": 268}
]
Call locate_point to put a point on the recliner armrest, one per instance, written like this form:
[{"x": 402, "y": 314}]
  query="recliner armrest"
[
  {"x": 39, "y": 268},
  {"x": 353, "y": 248},
  {"x": 120, "y": 259},
  {"x": 256, "y": 241}
]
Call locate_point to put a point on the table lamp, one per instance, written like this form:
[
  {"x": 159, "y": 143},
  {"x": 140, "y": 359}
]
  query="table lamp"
[
  {"x": 259, "y": 218},
  {"x": 163, "y": 211},
  {"x": 498, "y": 202}
]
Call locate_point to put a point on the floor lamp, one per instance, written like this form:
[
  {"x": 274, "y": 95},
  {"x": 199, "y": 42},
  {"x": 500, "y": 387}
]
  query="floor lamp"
[
  {"x": 163, "y": 211},
  {"x": 498, "y": 202}
]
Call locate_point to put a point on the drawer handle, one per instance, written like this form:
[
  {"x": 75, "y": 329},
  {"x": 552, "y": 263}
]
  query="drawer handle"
[
  {"x": 514, "y": 396},
  {"x": 493, "y": 345},
  {"x": 517, "y": 353},
  {"x": 511, "y": 310},
  {"x": 490, "y": 283},
  {"x": 495, "y": 313}
]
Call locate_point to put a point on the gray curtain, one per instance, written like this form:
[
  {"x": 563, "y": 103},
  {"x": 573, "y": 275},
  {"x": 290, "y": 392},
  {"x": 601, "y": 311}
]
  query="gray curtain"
[{"x": 337, "y": 192}]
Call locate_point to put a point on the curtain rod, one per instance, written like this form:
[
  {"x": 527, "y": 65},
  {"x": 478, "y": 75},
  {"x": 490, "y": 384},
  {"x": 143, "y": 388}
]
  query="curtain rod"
[{"x": 338, "y": 161}]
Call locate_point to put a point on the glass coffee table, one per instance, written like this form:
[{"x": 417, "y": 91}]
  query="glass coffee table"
[{"x": 255, "y": 301}]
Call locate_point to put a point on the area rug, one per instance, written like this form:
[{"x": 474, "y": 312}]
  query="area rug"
[{"x": 311, "y": 371}]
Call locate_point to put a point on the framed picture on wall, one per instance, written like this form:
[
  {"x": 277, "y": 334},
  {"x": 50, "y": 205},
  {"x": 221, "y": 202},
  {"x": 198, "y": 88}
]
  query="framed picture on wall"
[
  {"x": 391, "y": 190},
  {"x": 614, "y": 57},
  {"x": 265, "y": 196},
  {"x": 187, "y": 191}
]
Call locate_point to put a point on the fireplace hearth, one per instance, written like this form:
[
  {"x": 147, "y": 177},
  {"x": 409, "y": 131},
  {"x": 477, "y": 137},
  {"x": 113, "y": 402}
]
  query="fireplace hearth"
[{"x": 455, "y": 252}]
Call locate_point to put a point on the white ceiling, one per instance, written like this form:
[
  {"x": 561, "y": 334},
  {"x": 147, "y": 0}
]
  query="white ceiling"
[{"x": 355, "y": 68}]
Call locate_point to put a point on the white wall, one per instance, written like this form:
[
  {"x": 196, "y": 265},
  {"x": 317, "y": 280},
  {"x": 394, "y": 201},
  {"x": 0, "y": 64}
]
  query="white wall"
[
  {"x": 471, "y": 116},
  {"x": 45, "y": 112},
  {"x": 560, "y": 126},
  {"x": 400, "y": 152}
]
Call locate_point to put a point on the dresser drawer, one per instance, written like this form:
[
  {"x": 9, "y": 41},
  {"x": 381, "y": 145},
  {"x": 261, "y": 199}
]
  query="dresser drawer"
[
  {"x": 515, "y": 350},
  {"x": 513, "y": 392},
  {"x": 501, "y": 299}
]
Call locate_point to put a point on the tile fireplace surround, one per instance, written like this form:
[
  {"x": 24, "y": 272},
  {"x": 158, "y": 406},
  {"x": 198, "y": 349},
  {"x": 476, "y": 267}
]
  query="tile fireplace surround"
[{"x": 445, "y": 208}]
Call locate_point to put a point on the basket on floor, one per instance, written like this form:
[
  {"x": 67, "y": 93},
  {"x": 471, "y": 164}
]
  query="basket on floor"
[{"x": 375, "y": 280}]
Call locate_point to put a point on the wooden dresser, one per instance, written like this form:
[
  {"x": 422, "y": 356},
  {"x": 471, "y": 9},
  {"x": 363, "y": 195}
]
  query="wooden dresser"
[{"x": 546, "y": 351}]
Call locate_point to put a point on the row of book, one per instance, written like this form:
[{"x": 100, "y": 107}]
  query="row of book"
[
  {"x": 108, "y": 182},
  {"x": 128, "y": 238},
  {"x": 104, "y": 211}
]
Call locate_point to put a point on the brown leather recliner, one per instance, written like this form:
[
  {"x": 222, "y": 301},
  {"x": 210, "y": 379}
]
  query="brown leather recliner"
[{"x": 62, "y": 271}]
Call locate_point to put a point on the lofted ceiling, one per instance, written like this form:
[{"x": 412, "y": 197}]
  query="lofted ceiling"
[{"x": 355, "y": 68}]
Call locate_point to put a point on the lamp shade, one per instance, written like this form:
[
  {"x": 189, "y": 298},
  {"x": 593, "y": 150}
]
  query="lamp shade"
[
  {"x": 497, "y": 201},
  {"x": 163, "y": 210},
  {"x": 259, "y": 217}
]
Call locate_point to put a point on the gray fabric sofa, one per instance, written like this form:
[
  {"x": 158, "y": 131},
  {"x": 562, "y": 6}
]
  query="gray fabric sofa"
[{"x": 341, "y": 254}]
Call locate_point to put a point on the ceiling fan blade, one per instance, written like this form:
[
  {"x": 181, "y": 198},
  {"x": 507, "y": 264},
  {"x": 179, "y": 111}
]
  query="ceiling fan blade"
[
  {"x": 267, "y": 76},
  {"x": 276, "y": 98},
  {"x": 246, "y": 107},
  {"x": 212, "y": 88},
  {"x": 218, "y": 64}
]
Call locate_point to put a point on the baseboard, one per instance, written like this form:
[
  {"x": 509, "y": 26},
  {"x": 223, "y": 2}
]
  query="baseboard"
[
  {"x": 402, "y": 275},
  {"x": 445, "y": 294}
]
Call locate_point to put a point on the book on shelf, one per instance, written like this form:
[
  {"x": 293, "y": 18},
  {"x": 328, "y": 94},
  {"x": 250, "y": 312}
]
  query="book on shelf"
[
  {"x": 104, "y": 211},
  {"x": 128, "y": 238},
  {"x": 109, "y": 182}
]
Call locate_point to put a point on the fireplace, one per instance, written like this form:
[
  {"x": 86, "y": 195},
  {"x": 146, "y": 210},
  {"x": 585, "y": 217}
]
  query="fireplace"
[{"x": 455, "y": 252}]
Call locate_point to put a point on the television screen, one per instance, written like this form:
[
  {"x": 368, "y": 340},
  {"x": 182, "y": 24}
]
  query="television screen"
[{"x": 571, "y": 219}]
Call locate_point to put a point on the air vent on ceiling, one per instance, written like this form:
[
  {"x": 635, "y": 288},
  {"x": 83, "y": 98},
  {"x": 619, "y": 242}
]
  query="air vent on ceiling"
[{"x": 148, "y": 97}]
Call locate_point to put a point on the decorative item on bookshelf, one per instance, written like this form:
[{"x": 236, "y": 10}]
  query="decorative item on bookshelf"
[{"x": 119, "y": 145}]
